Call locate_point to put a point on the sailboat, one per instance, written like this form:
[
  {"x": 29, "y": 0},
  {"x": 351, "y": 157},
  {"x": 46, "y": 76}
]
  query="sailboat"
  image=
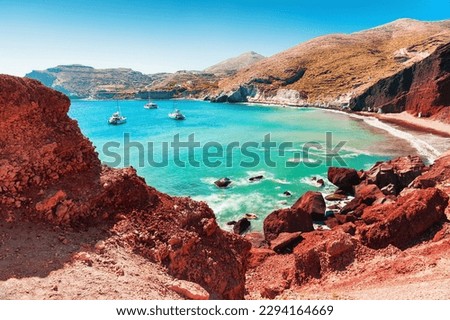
[
  {"x": 150, "y": 104},
  {"x": 116, "y": 117}
]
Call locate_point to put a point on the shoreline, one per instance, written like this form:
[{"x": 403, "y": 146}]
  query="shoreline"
[
  {"x": 407, "y": 123},
  {"x": 403, "y": 119}
]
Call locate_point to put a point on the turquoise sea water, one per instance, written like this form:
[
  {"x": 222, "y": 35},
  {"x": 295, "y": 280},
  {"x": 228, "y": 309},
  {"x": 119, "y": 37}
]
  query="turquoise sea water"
[{"x": 221, "y": 125}]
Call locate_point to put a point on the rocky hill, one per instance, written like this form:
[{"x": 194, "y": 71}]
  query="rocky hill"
[
  {"x": 422, "y": 89},
  {"x": 233, "y": 65},
  {"x": 332, "y": 69},
  {"x": 78, "y": 81}
]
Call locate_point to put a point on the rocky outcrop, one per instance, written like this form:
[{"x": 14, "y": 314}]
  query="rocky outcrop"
[
  {"x": 286, "y": 220},
  {"x": 322, "y": 252},
  {"x": 372, "y": 224},
  {"x": 437, "y": 176},
  {"x": 50, "y": 172},
  {"x": 422, "y": 89},
  {"x": 404, "y": 221},
  {"x": 239, "y": 95},
  {"x": 399, "y": 173},
  {"x": 343, "y": 178},
  {"x": 381, "y": 218},
  {"x": 37, "y": 140}
]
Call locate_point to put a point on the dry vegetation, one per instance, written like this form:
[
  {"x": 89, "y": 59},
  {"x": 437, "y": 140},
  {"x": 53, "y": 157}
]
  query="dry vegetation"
[{"x": 339, "y": 64}]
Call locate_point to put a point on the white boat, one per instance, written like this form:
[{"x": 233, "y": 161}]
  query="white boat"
[
  {"x": 177, "y": 115},
  {"x": 150, "y": 105},
  {"x": 117, "y": 118}
]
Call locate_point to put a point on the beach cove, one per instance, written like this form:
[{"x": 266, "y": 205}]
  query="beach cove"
[{"x": 244, "y": 126}]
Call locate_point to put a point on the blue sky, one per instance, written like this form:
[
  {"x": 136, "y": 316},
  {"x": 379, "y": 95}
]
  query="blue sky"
[{"x": 169, "y": 35}]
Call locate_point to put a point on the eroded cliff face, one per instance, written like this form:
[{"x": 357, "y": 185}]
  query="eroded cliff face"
[
  {"x": 422, "y": 89},
  {"x": 50, "y": 172}
]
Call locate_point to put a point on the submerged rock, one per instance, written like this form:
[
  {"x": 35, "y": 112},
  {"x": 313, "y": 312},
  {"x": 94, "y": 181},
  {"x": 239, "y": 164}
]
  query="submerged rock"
[
  {"x": 223, "y": 182},
  {"x": 320, "y": 182},
  {"x": 255, "y": 178}
]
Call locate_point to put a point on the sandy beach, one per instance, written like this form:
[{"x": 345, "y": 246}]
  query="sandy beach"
[{"x": 408, "y": 121}]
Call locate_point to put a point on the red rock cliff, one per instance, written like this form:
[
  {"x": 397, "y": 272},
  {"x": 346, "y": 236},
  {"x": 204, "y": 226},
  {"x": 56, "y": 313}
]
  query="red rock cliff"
[
  {"x": 423, "y": 88},
  {"x": 50, "y": 172}
]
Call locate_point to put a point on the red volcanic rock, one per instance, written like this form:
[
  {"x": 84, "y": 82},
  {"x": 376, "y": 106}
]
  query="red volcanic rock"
[
  {"x": 241, "y": 226},
  {"x": 40, "y": 144},
  {"x": 438, "y": 174},
  {"x": 407, "y": 169},
  {"x": 403, "y": 221},
  {"x": 50, "y": 171},
  {"x": 343, "y": 178},
  {"x": 258, "y": 255},
  {"x": 285, "y": 242},
  {"x": 365, "y": 195},
  {"x": 395, "y": 174},
  {"x": 422, "y": 89},
  {"x": 369, "y": 193},
  {"x": 313, "y": 203},
  {"x": 286, "y": 220},
  {"x": 320, "y": 252},
  {"x": 382, "y": 174},
  {"x": 344, "y": 218},
  {"x": 349, "y": 228},
  {"x": 332, "y": 222},
  {"x": 335, "y": 197},
  {"x": 256, "y": 239},
  {"x": 189, "y": 289}
]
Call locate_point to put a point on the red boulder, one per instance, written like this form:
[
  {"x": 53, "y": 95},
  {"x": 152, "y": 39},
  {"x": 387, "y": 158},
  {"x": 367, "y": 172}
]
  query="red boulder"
[
  {"x": 403, "y": 221},
  {"x": 313, "y": 203},
  {"x": 344, "y": 178},
  {"x": 286, "y": 220}
]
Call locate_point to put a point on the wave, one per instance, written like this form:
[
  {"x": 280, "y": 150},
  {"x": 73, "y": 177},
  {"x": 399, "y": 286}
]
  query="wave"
[
  {"x": 229, "y": 206},
  {"x": 424, "y": 148},
  {"x": 421, "y": 146},
  {"x": 244, "y": 181}
]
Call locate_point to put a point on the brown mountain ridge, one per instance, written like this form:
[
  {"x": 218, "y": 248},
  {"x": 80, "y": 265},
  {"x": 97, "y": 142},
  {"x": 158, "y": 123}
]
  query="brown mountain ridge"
[{"x": 334, "y": 68}]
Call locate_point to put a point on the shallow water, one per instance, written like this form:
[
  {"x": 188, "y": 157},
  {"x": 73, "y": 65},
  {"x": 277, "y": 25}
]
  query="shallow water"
[{"x": 222, "y": 127}]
